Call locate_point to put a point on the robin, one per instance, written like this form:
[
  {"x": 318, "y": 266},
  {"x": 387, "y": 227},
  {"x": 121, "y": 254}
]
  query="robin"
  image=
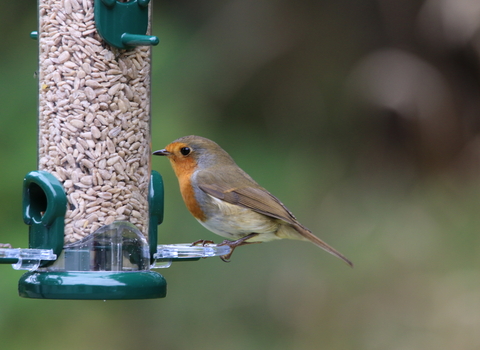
[{"x": 227, "y": 201}]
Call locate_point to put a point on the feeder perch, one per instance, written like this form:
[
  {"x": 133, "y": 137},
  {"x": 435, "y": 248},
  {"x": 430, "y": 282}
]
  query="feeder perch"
[{"x": 94, "y": 205}]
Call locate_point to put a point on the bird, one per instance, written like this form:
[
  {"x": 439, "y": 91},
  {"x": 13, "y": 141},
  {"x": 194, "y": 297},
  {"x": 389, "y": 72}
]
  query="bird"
[{"x": 228, "y": 202}]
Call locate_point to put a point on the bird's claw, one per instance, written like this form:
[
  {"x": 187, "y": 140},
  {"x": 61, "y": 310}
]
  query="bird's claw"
[
  {"x": 231, "y": 244},
  {"x": 226, "y": 258},
  {"x": 235, "y": 244},
  {"x": 202, "y": 242}
]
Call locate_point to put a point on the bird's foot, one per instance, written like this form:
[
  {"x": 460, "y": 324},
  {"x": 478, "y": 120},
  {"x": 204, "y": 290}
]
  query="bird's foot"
[
  {"x": 202, "y": 242},
  {"x": 235, "y": 244}
]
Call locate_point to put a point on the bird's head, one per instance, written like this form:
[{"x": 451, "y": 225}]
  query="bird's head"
[{"x": 194, "y": 152}]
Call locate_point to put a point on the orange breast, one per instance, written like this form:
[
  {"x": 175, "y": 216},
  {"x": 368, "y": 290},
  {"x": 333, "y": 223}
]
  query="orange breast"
[{"x": 184, "y": 170}]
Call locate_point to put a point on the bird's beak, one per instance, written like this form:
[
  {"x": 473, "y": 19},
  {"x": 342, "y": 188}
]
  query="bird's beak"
[{"x": 162, "y": 152}]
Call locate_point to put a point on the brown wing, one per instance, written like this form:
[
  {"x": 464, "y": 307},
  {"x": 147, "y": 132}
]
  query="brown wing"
[{"x": 250, "y": 195}]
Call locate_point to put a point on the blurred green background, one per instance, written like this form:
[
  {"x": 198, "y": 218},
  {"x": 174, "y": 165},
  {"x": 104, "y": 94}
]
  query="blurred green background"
[{"x": 363, "y": 117}]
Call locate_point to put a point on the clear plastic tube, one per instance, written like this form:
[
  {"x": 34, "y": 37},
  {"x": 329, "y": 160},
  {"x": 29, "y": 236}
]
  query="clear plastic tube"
[{"x": 94, "y": 120}]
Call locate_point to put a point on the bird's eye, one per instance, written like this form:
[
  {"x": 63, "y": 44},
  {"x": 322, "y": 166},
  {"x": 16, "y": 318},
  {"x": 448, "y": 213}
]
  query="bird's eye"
[{"x": 185, "y": 151}]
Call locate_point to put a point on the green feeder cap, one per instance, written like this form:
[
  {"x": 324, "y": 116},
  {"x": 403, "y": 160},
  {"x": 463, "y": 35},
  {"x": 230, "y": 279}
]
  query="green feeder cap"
[{"x": 124, "y": 24}]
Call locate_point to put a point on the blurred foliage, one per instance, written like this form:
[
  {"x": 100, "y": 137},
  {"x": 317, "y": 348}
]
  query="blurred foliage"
[{"x": 363, "y": 117}]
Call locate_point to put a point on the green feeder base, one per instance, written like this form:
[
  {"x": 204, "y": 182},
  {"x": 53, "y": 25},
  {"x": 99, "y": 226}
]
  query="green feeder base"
[{"x": 95, "y": 285}]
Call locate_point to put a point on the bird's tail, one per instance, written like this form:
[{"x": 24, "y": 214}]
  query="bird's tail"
[{"x": 309, "y": 236}]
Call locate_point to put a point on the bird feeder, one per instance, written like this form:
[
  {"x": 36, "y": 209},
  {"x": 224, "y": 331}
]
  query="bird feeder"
[{"x": 94, "y": 204}]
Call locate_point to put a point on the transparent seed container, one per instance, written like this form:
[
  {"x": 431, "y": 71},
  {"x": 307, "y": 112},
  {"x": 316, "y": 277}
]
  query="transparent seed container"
[{"x": 94, "y": 120}]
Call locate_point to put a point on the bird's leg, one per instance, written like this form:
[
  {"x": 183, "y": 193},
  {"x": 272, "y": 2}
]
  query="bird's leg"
[
  {"x": 235, "y": 244},
  {"x": 202, "y": 242}
]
